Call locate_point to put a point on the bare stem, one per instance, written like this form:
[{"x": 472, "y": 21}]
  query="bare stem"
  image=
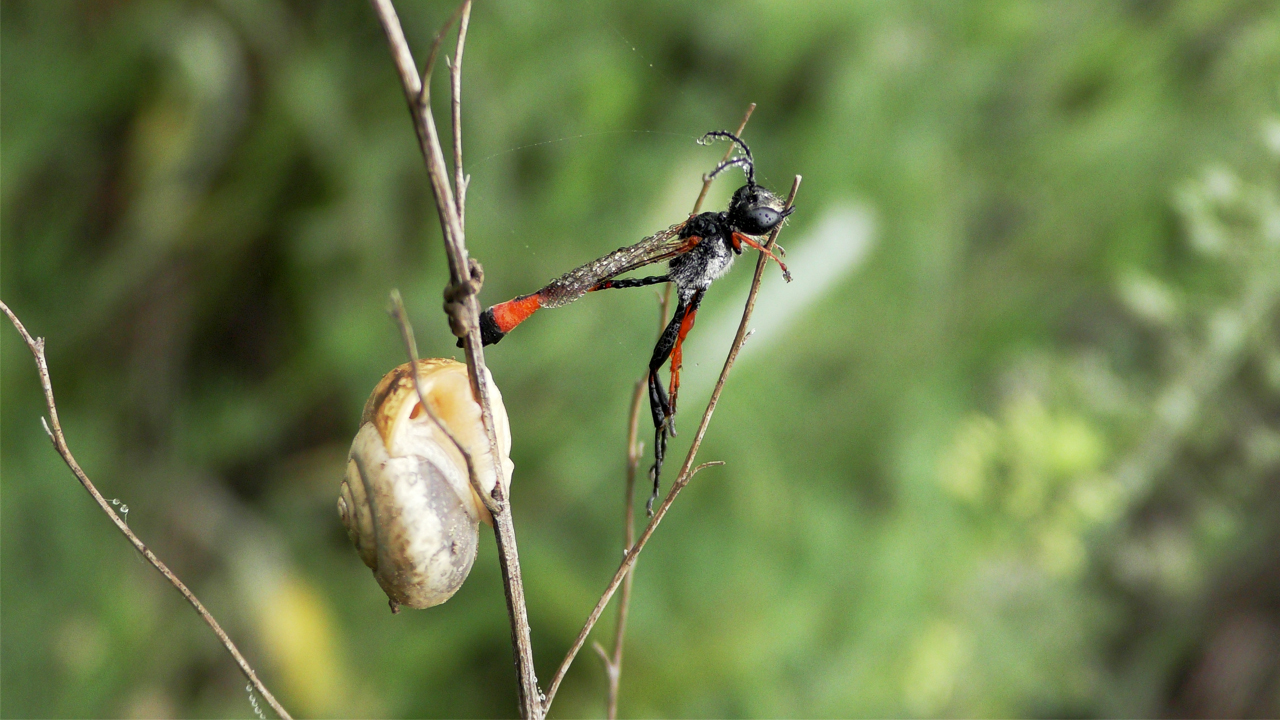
[
  {"x": 463, "y": 310},
  {"x": 460, "y": 179},
  {"x": 687, "y": 470},
  {"x": 54, "y": 429},
  {"x": 635, "y": 448}
]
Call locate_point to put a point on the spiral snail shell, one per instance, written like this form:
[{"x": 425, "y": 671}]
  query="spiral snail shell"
[{"x": 407, "y": 500}]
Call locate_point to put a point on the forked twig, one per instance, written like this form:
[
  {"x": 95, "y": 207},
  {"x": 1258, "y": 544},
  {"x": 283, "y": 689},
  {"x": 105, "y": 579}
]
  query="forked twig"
[
  {"x": 687, "y": 470},
  {"x": 635, "y": 448},
  {"x": 54, "y": 430},
  {"x": 462, "y": 309}
]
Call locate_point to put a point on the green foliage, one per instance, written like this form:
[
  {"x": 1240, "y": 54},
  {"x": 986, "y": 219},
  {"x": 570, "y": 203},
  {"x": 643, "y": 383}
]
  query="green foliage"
[{"x": 1020, "y": 458}]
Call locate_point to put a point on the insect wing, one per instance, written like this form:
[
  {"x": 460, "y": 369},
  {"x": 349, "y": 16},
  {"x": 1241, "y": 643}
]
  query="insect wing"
[{"x": 574, "y": 284}]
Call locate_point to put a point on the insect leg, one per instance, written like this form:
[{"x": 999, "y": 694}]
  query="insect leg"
[
  {"x": 659, "y": 452},
  {"x": 659, "y": 404},
  {"x": 630, "y": 283},
  {"x": 677, "y": 353},
  {"x": 739, "y": 239}
]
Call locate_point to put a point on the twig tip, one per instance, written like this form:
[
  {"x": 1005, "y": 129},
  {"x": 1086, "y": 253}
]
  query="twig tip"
[{"x": 704, "y": 466}]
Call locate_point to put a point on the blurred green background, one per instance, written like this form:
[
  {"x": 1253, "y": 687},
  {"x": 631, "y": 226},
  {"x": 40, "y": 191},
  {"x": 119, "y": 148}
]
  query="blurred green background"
[{"x": 1008, "y": 446}]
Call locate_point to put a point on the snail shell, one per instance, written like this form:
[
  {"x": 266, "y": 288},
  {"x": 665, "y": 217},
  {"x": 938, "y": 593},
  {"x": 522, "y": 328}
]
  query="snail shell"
[{"x": 407, "y": 500}]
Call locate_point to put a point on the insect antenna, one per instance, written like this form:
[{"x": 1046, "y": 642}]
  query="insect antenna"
[
  {"x": 748, "y": 162},
  {"x": 747, "y": 168}
]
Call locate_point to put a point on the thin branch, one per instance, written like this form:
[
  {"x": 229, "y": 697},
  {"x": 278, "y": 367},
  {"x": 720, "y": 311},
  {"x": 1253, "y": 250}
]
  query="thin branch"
[
  {"x": 54, "y": 430},
  {"x": 604, "y": 657},
  {"x": 687, "y": 470},
  {"x": 705, "y": 465},
  {"x": 427, "y": 69},
  {"x": 460, "y": 180},
  {"x": 463, "y": 311},
  {"x": 635, "y": 448}
]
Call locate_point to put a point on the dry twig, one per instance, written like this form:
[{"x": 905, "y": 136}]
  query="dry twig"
[
  {"x": 460, "y": 179},
  {"x": 463, "y": 310},
  {"x": 635, "y": 448},
  {"x": 54, "y": 430},
  {"x": 687, "y": 470}
]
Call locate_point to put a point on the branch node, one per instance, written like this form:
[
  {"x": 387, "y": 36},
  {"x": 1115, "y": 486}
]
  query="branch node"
[
  {"x": 398, "y": 315},
  {"x": 456, "y": 297},
  {"x": 604, "y": 657}
]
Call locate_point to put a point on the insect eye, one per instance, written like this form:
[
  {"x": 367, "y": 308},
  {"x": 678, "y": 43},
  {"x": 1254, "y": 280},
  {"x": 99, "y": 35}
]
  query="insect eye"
[{"x": 761, "y": 220}]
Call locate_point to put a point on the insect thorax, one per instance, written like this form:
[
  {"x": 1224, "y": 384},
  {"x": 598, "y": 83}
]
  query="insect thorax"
[{"x": 706, "y": 261}]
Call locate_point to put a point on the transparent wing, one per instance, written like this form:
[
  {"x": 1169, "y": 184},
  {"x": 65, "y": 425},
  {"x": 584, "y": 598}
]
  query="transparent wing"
[{"x": 574, "y": 284}]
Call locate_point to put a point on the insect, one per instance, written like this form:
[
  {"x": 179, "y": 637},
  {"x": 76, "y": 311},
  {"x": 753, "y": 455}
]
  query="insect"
[{"x": 699, "y": 250}]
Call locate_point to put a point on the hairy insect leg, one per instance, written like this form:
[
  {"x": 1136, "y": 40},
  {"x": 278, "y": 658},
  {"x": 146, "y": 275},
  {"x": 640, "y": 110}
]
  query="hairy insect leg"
[
  {"x": 658, "y": 402},
  {"x": 659, "y": 405},
  {"x": 630, "y": 283},
  {"x": 659, "y": 453},
  {"x": 739, "y": 239}
]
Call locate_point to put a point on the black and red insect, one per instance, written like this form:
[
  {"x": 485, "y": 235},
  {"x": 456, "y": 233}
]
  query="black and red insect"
[{"x": 699, "y": 250}]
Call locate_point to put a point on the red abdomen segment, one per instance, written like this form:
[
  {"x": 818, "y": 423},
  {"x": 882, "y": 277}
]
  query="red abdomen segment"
[
  {"x": 511, "y": 313},
  {"x": 498, "y": 320}
]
